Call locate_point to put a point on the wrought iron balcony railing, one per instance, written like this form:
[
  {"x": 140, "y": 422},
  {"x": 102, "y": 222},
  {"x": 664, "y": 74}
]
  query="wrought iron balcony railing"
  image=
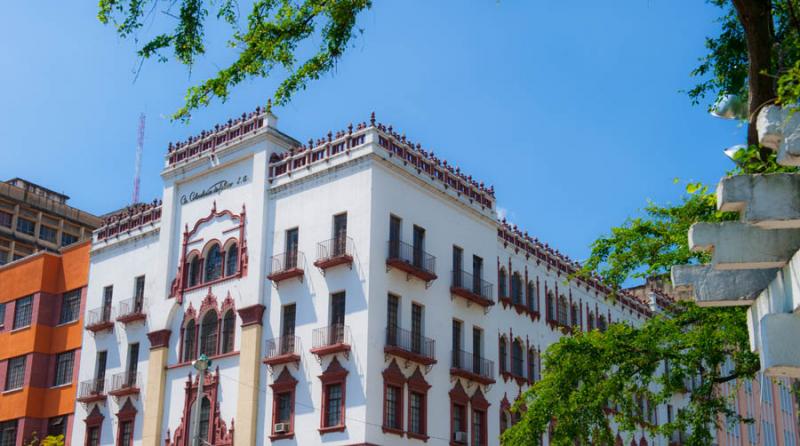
[
  {"x": 411, "y": 259},
  {"x": 472, "y": 288},
  {"x": 410, "y": 345},
  {"x": 472, "y": 367}
]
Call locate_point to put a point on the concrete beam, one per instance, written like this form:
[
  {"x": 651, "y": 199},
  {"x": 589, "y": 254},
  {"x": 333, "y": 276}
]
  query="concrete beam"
[
  {"x": 717, "y": 288},
  {"x": 770, "y": 201},
  {"x": 736, "y": 245},
  {"x": 779, "y": 129},
  {"x": 780, "y": 351}
]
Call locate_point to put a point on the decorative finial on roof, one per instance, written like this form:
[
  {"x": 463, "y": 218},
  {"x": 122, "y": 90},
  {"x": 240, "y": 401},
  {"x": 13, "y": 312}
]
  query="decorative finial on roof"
[
  {"x": 372, "y": 119},
  {"x": 269, "y": 105}
]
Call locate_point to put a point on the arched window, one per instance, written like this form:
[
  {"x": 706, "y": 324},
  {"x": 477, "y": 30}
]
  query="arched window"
[
  {"x": 232, "y": 260},
  {"x": 601, "y": 323},
  {"x": 501, "y": 283},
  {"x": 574, "y": 315},
  {"x": 531, "y": 295},
  {"x": 189, "y": 346},
  {"x": 551, "y": 307},
  {"x": 194, "y": 271},
  {"x": 516, "y": 288},
  {"x": 503, "y": 421},
  {"x": 204, "y": 421},
  {"x": 213, "y": 267},
  {"x": 503, "y": 354},
  {"x": 590, "y": 321},
  {"x": 532, "y": 364},
  {"x": 228, "y": 330},
  {"x": 563, "y": 311},
  {"x": 516, "y": 358},
  {"x": 208, "y": 334}
]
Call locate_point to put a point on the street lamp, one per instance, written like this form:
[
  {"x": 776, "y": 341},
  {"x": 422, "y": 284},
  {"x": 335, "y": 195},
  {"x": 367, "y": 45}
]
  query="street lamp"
[{"x": 201, "y": 364}]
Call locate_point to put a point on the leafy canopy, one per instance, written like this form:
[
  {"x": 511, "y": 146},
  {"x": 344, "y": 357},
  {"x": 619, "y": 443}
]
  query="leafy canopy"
[{"x": 274, "y": 33}]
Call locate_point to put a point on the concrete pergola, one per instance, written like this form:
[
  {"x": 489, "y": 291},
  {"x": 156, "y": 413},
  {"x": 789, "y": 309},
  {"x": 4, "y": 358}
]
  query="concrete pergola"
[{"x": 755, "y": 261}]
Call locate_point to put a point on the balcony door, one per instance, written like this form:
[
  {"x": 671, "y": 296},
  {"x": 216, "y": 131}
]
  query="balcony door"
[
  {"x": 477, "y": 349},
  {"x": 292, "y": 240},
  {"x": 419, "y": 246},
  {"x": 394, "y": 237},
  {"x": 138, "y": 294},
  {"x": 458, "y": 266},
  {"x": 100, "y": 372},
  {"x": 133, "y": 364},
  {"x": 416, "y": 328},
  {"x": 336, "y": 331},
  {"x": 392, "y": 319},
  {"x": 287, "y": 332},
  {"x": 108, "y": 293},
  {"x": 339, "y": 235},
  {"x": 456, "y": 344},
  {"x": 477, "y": 274}
]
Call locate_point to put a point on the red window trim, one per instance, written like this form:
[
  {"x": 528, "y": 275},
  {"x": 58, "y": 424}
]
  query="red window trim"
[
  {"x": 393, "y": 377},
  {"x": 285, "y": 383},
  {"x": 127, "y": 413},
  {"x": 334, "y": 374},
  {"x": 418, "y": 384},
  {"x": 479, "y": 404},
  {"x": 458, "y": 397},
  {"x": 95, "y": 419},
  {"x": 209, "y": 303}
]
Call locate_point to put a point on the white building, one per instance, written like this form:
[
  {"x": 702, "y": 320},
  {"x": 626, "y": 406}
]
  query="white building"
[{"x": 319, "y": 279}]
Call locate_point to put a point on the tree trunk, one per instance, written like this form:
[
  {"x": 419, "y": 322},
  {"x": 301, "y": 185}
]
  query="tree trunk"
[{"x": 756, "y": 18}]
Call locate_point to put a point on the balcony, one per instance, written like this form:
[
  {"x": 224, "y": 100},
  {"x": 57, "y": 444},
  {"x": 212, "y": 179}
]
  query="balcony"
[
  {"x": 286, "y": 266},
  {"x": 334, "y": 252},
  {"x": 125, "y": 383},
  {"x": 330, "y": 340},
  {"x": 92, "y": 391},
  {"x": 99, "y": 319},
  {"x": 282, "y": 350},
  {"x": 131, "y": 310},
  {"x": 410, "y": 346},
  {"x": 413, "y": 261},
  {"x": 472, "y": 367},
  {"x": 472, "y": 288}
]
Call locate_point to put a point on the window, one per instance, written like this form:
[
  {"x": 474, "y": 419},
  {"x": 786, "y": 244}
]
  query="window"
[
  {"x": 551, "y": 307},
  {"x": 502, "y": 283},
  {"x": 394, "y": 237},
  {"x": 70, "y": 307},
  {"x": 93, "y": 436},
  {"x": 3, "y": 257},
  {"x": 563, "y": 309},
  {"x": 392, "y": 319},
  {"x": 516, "y": 288},
  {"x": 416, "y": 328},
  {"x": 531, "y": 364},
  {"x": 287, "y": 332},
  {"x": 503, "y": 421},
  {"x": 477, "y": 349},
  {"x": 5, "y": 219},
  {"x": 456, "y": 344},
  {"x": 68, "y": 239},
  {"x": 205, "y": 418},
  {"x": 516, "y": 358},
  {"x": 601, "y": 323},
  {"x": 416, "y": 403},
  {"x": 393, "y": 407},
  {"x": 213, "y": 266},
  {"x": 503, "y": 355},
  {"x": 337, "y": 318},
  {"x": 56, "y": 426},
  {"x": 47, "y": 233},
  {"x": 2, "y": 315},
  {"x": 477, "y": 276},
  {"x": 108, "y": 296},
  {"x": 574, "y": 315},
  {"x": 458, "y": 266},
  {"x": 189, "y": 346},
  {"x": 194, "y": 271},
  {"x": 228, "y": 331},
  {"x": 65, "y": 363},
  {"x": 292, "y": 244},
  {"x": 283, "y": 405},
  {"x": 138, "y": 294},
  {"x": 100, "y": 372},
  {"x": 478, "y": 427},
  {"x": 133, "y": 363},
  {"x": 339, "y": 235},
  {"x": 8, "y": 433},
  {"x": 419, "y": 247},
  {"x": 208, "y": 334},
  {"x": 15, "y": 374},
  {"x": 333, "y": 405},
  {"x": 533, "y": 302},
  {"x": 232, "y": 260},
  {"x": 26, "y": 226},
  {"x": 459, "y": 422},
  {"x": 23, "y": 312}
]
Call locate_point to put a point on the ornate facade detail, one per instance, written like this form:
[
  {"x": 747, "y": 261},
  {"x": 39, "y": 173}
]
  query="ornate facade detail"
[{"x": 218, "y": 432}]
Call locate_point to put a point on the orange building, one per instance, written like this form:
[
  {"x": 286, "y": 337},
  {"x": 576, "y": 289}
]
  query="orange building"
[{"x": 41, "y": 306}]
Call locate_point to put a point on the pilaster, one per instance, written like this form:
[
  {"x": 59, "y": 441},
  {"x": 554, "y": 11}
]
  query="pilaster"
[
  {"x": 155, "y": 388},
  {"x": 249, "y": 374}
]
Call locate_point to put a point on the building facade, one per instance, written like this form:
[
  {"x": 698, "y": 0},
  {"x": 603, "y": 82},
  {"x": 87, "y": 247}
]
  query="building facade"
[
  {"x": 34, "y": 218},
  {"x": 41, "y": 308},
  {"x": 356, "y": 290}
]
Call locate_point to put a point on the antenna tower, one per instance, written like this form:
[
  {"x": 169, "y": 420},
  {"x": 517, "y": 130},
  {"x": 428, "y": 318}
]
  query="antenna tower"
[{"x": 138, "y": 167}]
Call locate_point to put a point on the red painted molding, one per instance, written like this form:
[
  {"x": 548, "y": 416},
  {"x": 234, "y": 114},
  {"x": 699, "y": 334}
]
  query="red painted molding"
[
  {"x": 159, "y": 338},
  {"x": 252, "y": 315}
]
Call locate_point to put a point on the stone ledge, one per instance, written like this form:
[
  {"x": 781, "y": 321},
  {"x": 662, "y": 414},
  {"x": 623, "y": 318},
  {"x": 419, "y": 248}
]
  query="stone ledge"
[
  {"x": 736, "y": 245},
  {"x": 780, "y": 351},
  {"x": 716, "y": 288},
  {"x": 779, "y": 130},
  {"x": 769, "y": 201}
]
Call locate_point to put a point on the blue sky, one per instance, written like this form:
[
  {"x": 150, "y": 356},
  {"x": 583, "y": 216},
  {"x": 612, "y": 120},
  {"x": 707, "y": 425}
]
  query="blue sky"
[{"x": 571, "y": 109}]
